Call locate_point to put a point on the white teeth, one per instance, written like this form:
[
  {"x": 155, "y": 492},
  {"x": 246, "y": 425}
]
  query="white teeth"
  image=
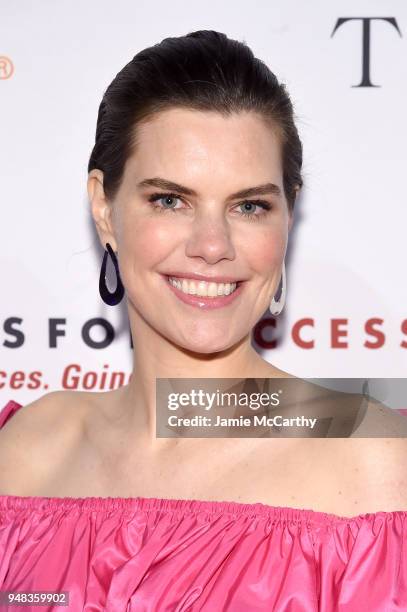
[{"x": 202, "y": 288}]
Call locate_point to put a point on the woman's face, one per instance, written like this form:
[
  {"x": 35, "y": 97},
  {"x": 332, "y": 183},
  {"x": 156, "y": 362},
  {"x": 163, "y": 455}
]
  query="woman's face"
[{"x": 203, "y": 232}]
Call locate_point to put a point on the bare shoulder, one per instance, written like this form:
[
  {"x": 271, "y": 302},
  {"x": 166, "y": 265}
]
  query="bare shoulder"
[
  {"x": 34, "y": 439},
  {"x": 384, "y": 470},
  {"x": 55, "y": 412},
  {"x": 382, "y": 456},
  {"x": 380, "y": 421}
]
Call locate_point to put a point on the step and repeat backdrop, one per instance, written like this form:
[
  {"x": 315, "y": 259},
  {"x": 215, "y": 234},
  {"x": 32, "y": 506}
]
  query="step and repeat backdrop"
[{"x": 345, "y": 67}]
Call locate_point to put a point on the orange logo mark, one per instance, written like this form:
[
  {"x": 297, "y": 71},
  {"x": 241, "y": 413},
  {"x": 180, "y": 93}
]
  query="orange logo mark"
[{"x": 6, "y": 67}]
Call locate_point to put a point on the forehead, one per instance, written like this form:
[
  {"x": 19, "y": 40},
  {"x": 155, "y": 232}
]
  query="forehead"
[{"x": 180, "y": 140}]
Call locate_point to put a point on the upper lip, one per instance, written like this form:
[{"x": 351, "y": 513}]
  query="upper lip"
[{"x": 202, "y": 277}]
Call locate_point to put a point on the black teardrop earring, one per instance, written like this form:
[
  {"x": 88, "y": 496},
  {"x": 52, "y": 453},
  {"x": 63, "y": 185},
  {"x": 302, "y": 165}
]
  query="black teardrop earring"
[{"x": 107, "y": 296}]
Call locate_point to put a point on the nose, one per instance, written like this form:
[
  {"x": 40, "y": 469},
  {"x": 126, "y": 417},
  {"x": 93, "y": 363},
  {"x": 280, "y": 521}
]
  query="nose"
[{"x": 210, "y": 238}]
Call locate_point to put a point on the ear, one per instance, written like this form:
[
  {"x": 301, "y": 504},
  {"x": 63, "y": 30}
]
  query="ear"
[{"x": 101, "y": 208}]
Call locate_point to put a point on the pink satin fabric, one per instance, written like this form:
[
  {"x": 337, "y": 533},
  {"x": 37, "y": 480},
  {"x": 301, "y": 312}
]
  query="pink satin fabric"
[{"x": 177, "y": 555}]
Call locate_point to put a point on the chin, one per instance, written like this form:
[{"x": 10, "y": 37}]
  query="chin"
[{"x": 205, "y": 346}]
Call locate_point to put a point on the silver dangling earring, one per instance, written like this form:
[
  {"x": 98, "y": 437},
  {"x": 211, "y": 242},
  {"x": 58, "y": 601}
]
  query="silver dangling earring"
[{"x": 277, "y": 306}]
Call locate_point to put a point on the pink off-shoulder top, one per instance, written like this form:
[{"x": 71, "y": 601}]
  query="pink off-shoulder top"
[{"x": 183, "y": 555}]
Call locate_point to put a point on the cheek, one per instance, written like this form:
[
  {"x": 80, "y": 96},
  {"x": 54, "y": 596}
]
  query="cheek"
[
  {"x": 268, "y": 251},
  {"x": 148, "y": 241}
]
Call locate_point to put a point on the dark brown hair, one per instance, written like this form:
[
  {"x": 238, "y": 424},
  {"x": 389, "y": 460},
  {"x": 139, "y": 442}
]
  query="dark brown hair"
[{"x": 204, "y": 70}]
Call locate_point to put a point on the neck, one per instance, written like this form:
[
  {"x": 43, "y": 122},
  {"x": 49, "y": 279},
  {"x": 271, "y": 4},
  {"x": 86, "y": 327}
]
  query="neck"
[{"x": 154, "y": 356}]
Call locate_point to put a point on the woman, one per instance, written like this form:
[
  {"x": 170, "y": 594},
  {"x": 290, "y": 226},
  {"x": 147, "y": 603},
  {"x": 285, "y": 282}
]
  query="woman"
[{"x": 194, "y": 175}]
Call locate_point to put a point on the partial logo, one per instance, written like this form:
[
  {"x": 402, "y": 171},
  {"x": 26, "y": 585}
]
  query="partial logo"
[{"x": 6, "y": 67}]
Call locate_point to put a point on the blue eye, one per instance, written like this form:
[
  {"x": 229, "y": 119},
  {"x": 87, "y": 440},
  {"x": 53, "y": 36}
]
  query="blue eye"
[
  {"x": 259, "y": 203},
  {"x": 163, "y": 196},
  {"x": 250, "y": 216}
]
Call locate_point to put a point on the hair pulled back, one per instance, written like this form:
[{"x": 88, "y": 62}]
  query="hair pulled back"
[{"x": 203, "y": 70}]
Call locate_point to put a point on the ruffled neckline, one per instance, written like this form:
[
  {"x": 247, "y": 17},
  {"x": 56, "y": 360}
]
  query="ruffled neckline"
[{"x": 185, "y": 506}]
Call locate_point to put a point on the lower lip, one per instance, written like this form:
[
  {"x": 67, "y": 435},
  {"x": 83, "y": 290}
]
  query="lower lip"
[{"x": 205, "y": 303}]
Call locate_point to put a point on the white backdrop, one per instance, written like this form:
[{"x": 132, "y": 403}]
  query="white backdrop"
[{"x": 346, "y": 258}]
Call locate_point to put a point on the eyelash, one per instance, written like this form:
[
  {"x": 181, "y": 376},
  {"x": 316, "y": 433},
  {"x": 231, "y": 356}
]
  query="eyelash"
[{"x": 249, "y": 216}]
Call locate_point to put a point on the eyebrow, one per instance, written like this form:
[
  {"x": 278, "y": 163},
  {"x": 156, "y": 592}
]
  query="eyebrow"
[{"x": 243, "y": 193}]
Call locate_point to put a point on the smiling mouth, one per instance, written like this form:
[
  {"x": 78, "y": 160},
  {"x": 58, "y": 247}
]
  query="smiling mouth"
[
  {"x": 205, "y": 302},
  {"x": 203, "y": 289}
]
